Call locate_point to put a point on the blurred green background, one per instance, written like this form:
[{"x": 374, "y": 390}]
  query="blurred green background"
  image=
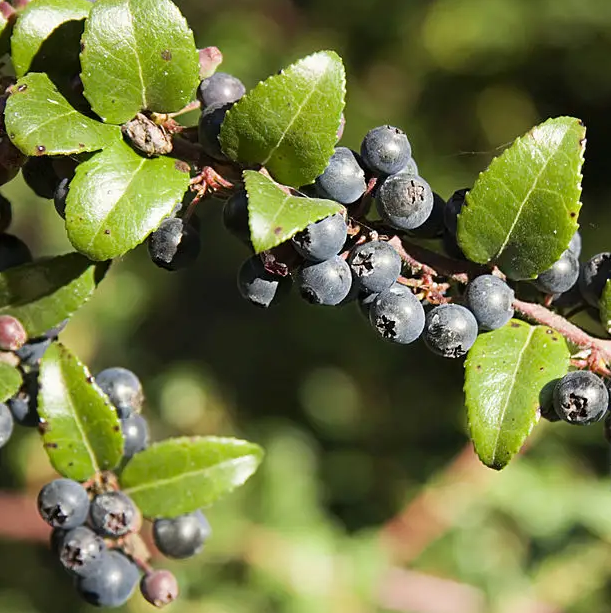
[{"x": 357, "y": 431}]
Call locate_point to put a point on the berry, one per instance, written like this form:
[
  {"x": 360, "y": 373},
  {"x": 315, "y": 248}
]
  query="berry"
[
  {"x": 386, "y": 150},
  {"x": 40, "y": 176},
  {"x": 111, "y": 582},
  {"x": 123, "y": 389},
  {"x": 575, "y": 244},
  {"x": 560, "y": 276},
  {"x": 397, "y": 315},
  {"x": 546, "y": 401},
  {"x": 450, "y": 330},
  {"x": 593, "y": 277},
  {"x": 56, "y": 539},
  {"x": 260, "y": 287},
  {"x": 174, "y": 245},
  {"x": 404, "y": 201},
  {"x": 79, "y": 550},
  {"x": 60, "y": 195},
  {"x": 6, "y": 214},
  {"x": 235, "y": 216},
  {"x": 160, "y": 588},
  {"x": 6, "y": 424},
  {"x": 326, "y": 283},
  {"x": 343, "y": 180},
  {"x": 13, "y": 252},
  {"x": 375, "y": 265},
  {"x": 182, "y": 536},
  {"x": 365, "y": 300},
  {"x": 24, "y": 405},
  {"x": 220, "y": 88},
  {"x": 31, "y": 353},
  {"x": 490, "y": 299},
  {"x": 322, "y": 240},
  {"x": 135, "y": 435},
  {"x": 63, "y": 503},
  {"x": 453, "y": 208},
  {"x": 210, "y": 128},
  {"x": 113, "y": 514},
  {"x": 581, "y": 398},
  {"x": 12, "y": 334},
  {"x": 411, "y": 168},
  {"x": 433, "y": 226}
]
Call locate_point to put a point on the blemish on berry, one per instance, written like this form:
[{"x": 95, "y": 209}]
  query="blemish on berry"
[{"x": 166, "y": 55}]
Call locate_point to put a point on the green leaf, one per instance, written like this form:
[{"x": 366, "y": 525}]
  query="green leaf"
[
  {"x": 506, "y": 370},
  {"x": 289, "y": 122},
  {"x": 522, "y": 211},
  {"x": 81, "y": 431},
  {"x": 10, "y": 381},
  {"x": 605, "y": 307},
  {"x": 117, "y": 198},
  {"x": 138, "y": 55},
  {"x": 182, "y": 475},
  {"x": 44, "y": 293},
  {"x": 275, "y": 216},
  {"x": 46, "y": 36},
  {"x": 40, "y": 121}
]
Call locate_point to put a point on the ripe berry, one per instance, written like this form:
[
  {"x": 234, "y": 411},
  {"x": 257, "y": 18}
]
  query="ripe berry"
[
  {"x": 326, "y": 283},
  {"x": 560, "y": 276},
  {"x": 575, "y": 244},
  {"x": 6, "y": 214},
  {"x": 397, "y": 315},
  {"x": 411, "y": 168},
  {"x": 6, "y": 424},
  {"x": 13, "y": 252},
  {"x": 210, "y": 128},
  {"x": 175, "y": 244},
  {"x": 40, "y": 176},
  {"x": 453, "y": 208},
  {"x": 79, "y": 550},
  {"x": 135, "y": 435},
  {"x": 235, "y": 216},
  {"x": 113, "y": 514},
  {"x": 404, "y": 201},
  {"x": 386, "y": 150},
  {"x": 365, "y": 301},
  {"x": 343, "y": 180},
  {"x": 123, "y": 389},
  {"x": 182, "y": 536},
  {"x": 450, "y": 330},
  {"x": 581, "y": 398},
  {"x": 220, "y": 88},
  {"x": 24, "y": 404},
  {"x": 260, "y": 287},
  {"x": 593, "y": 277},
  {"x": 63, "y": 503},
  {"x": 159, "y": 587},
  {"x": 111, "y": 582},
  {"x": 490, "y": 300},
  {"x": 375, "y": 265},
  {"x": 434, "y": 225},
  {"x": 12, "y": 333},
  {"x": 60, "y": 195},
  {"x": 322, "y": 240}
]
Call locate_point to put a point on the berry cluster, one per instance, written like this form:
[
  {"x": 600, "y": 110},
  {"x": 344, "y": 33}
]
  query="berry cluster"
[{"x": 95, "y": 538}]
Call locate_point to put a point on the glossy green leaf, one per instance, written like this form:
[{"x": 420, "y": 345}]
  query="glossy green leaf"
[
  {"x": 522, "y": 211},
  {"x": 182, "y": 475},
  {"x": 506, "y": 370},
  {"x": 40, "y": 121},
  {"x": 117, "y": 198},
  {"x": 81, "y": 431},
  {"x": 605, "y": 307},
  {"x": 289, "y": 122},
  {"x": 275, "y": 216},
  {"x": 10, "y": 381},
  {"x": 46, "y": 36},
  {"x": 44, "y": 293},
  {"x": 138, "y": 55}
]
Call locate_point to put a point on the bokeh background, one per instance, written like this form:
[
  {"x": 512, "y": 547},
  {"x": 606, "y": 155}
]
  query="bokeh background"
[{"x": 369, "y": 500}]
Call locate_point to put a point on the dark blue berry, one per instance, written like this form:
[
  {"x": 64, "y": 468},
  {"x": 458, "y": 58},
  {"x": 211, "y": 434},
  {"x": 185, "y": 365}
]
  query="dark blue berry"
[
  {"x": 63, "y": 503},
  {"x": 259, "y": 286},
  {"x": 386, "y": 150},
  {"x": 24, "y": 405},
  {"x": 560, "y": 276},
  {"x": 343, "y": 180},
  {"x": 220, "y": 88},
  {"x": 575, "y": 244},
  {"x": 6, "y": 213},
  {"x": 433, "y": 227},
  {"x": 581, "y": 398},
  {"x": 450, "y": 330},
  {"x": 490, "y": 299},
  {"x": 397, "y": 315},
  {"x": 182, "y": 536},
  {"x": 60, "y": 195},
  {"x": 404, "y": 201},
  {"x": 79, "y": 550},
  {"x": 31, "y": 353},
  {"x": 453, "y": 207},
  {"x": 123, "y": 389},
  {"x": 210, "y": 128},
  {"x": 13, "y": 252},
  {"x": 175, "y": 244},
  {"x": 40, "y": 176},
  {"x": 375, "y": 265},
  {"x": 327, "y": 283},
  {"x": 593, "y": 277},
  {"x": 6, "y": 424},
  {"x": 322, "y": 240},
  {"x": 135, "y": 435},
  {"x": 235, "y": 216},
  {"x": 113, "y": 514}
]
